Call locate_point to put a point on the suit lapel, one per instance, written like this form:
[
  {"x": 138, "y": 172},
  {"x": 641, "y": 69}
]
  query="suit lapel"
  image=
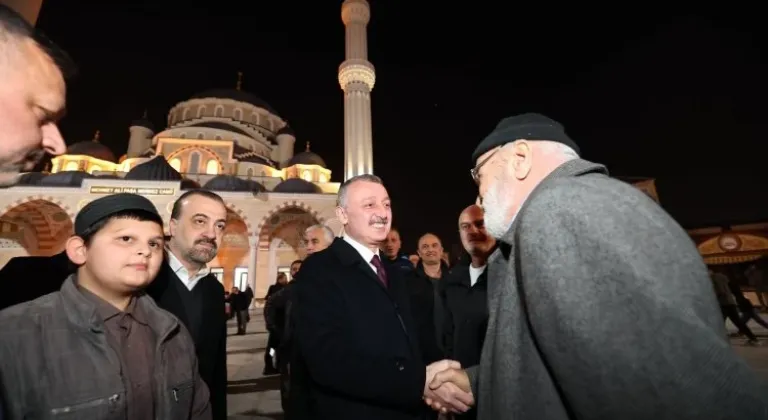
[{"x": 350, "y": 257}]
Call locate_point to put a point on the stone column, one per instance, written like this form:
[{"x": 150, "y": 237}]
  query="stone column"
[
  {"x": 357, "y": 77},
  {"x": 253, "y": 242}
]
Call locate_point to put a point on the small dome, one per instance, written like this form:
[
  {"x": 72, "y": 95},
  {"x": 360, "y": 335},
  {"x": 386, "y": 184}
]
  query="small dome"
[
  {"x": 286, "y": 130},
  {"x": 65, "y": 179},
  {"x": 93, "y": 149},
  {"x": 156, "y": 169},
  {"x": 297, "y": 186},
  {"x": 30, "y": 178},
  {"x": 306, "y": 157},
  {"x": 189, "y": 184},
  {"x": 233, "y": 183}
]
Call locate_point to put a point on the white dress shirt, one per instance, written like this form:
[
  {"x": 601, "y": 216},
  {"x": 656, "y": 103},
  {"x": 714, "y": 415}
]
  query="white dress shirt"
[
  {"x": 474, "y": 273},
  {"x": 183, "y": 274},
  {"x": 364, "y": 252}
]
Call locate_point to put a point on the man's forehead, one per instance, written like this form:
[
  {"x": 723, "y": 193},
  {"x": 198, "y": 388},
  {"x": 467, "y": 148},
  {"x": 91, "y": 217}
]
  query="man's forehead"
[
  {"x": 393, "y": 234},
  {"x": 471, "y": 214},
  {"x": 45, "y": 76},
  {"x": 198, "y": 204},
  {"x": 429, "y": 240},
  {"x": 363, "y": 190}
]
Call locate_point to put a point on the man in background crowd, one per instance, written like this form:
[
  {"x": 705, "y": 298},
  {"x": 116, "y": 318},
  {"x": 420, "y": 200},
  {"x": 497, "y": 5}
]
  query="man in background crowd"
[
  {"x": 392, "y": 254},
  {"x": 466, "y": 295}
]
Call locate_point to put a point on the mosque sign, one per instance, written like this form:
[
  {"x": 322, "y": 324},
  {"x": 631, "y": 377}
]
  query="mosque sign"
[{"x": 132, "y": 190}]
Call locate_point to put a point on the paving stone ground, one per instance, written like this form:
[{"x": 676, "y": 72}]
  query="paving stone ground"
[{"x": 255, "y": 397}]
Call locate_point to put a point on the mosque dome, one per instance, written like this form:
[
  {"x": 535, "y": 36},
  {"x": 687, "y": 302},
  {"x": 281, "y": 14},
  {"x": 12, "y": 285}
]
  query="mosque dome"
[
  {"x": 233, "y": 183},
  {"x": 306, "y": 157},
  {"x": 65, "y": 179},
  {"x": 235, "y": 95},
  {"x": 93, "y": 149},
  {"x": 156, "y": 169},
  {"x": 297, "y": 186}
]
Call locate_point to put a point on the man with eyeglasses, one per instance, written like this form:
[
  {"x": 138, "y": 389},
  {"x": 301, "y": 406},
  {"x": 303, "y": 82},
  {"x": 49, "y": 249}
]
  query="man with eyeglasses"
[{"x": 600, "y": 306}]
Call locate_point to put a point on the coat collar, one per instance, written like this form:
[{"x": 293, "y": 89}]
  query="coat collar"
[
  {"x": 572, "y": 168},
  {"x": 84, "y": 314}
]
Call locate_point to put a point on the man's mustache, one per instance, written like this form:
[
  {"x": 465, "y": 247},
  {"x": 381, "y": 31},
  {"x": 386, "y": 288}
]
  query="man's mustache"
[
  {"x": 211, "y": 242},
  {"x": 382, "y": 220}
]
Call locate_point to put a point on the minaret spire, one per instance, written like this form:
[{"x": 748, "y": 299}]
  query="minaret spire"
[{"x": 357, "y": 77}]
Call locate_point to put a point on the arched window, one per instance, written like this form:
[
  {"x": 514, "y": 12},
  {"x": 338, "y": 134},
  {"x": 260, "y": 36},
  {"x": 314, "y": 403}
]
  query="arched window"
[
  {"x": 249, "y": 172},
  {"x": 323, "y": 178},
  {"x": 307, "y": 176},
  {"x": 183, "y": 135},
  {"x": 238, "y": 114},
  {"x": 219, "y": 111},
  {"x": 200, "y": 136},
  {"x": 71, "y": 166},
  {"x": 212, "y": 167},
  {"x": 200, "y": 111},
  {"x": 194, "y": 163},
  {"x": 218, "y": 137},
  {"x": 176, "y": 164},
  {"x": 185, "y": 114}
]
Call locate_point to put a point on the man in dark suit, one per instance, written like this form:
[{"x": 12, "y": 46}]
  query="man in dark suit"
[
  {"x": 359, "y": 354},
  {"x": 186, "y": 287},
  {"x": 49, "y": 274}
]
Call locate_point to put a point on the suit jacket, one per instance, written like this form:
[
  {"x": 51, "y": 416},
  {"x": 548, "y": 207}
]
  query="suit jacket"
[
  {"x": 48, "y": 273},
  {"x": 206, "y": 321},
  {"x": 356, "y": 339},
  {"x": 600, "y": 307}
]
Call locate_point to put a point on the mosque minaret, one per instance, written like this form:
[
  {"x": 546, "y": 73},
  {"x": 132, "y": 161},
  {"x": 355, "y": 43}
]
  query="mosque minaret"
[{"x": 357, "y": 77}]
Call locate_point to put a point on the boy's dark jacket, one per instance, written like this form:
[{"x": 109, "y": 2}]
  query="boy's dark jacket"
[{"x": 55, "y": 359}]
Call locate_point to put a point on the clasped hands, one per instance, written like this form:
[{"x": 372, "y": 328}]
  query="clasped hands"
[{"x": 447, "y": 387}]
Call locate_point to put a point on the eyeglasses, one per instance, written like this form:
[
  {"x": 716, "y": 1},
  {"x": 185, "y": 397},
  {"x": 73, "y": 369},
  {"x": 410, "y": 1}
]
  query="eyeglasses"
[{"x": 474, "y": 172}]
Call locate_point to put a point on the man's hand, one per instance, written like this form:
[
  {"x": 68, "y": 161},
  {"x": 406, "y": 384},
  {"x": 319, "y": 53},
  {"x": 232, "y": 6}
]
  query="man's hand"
[
  {"x": 450, "y": 391},
  {"x": 441, "y": 393}
]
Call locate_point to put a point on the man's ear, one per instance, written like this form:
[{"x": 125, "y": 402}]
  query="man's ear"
[
  {"x": 76, "y": 250},
  {"x": 172, "y": 224},
  {"x": 520, "y": 160},
  {"x": 341, "y": 214}
]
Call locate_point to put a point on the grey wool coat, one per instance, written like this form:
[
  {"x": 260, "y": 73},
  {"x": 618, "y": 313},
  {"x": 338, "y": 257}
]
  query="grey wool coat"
[{"x": 601, "y": 309}]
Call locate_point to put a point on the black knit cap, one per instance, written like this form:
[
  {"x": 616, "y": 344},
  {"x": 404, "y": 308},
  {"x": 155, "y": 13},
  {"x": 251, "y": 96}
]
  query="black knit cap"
[
  {"x": 528, "y": 126},
  {"x": 106, "y": 206}
]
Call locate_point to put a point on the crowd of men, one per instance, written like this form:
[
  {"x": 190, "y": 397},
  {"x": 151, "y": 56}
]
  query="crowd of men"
[{"x": 598, "y": 303}]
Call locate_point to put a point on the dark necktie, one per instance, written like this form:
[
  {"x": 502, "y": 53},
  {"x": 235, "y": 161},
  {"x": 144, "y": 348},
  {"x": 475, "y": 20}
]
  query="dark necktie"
[{"x": 376, "y": 261}]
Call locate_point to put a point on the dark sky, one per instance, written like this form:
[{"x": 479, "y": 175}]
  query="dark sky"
[{"x": 680, "y": 97}]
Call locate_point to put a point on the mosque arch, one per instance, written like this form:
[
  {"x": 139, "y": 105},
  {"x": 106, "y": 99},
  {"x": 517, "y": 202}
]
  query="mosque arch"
[
  {"x": 184, "y": 154},
  {"x": 234, "y": 249},
  {"x": 218, "y": 111},
  {"x": 237, "y": 114},
  {"x": 201, "y": 111},
  {"x": 40, "y": 225}
]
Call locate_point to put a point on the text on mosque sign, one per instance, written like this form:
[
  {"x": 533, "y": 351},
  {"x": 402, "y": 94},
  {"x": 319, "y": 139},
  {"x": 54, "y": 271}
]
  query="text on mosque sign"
[{"x": 132, "y": 190}]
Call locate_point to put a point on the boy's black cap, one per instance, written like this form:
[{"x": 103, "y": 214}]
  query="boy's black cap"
[
  {"x": 529, "y": 126},
  {"x": 104, "y": 207}
]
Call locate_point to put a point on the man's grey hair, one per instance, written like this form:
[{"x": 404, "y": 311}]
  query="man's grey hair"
[
  {"x": 14, "y": 28},
  {"x": 329, "y": 235},
  {"x": 341, "y": 199}
]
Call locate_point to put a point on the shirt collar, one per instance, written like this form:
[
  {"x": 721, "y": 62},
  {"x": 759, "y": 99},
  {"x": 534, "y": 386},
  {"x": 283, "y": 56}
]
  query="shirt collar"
[
  {"x": 363, "y": 250},
  {"x": 107, "y": 311},
  {"x": 178, "y": 267}
]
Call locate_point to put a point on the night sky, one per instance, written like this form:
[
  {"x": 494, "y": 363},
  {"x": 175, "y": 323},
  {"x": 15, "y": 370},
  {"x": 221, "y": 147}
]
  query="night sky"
[{"x": 679, "y": 97}]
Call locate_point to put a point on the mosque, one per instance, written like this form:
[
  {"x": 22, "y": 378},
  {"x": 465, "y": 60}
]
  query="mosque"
[{"x": 226, "y": 140}]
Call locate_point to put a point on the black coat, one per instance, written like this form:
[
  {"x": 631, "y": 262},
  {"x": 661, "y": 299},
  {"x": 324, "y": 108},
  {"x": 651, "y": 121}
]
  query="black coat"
[
  {"x": 27, "y": 278},
  {"x": 356, "y": 340},
  {"x": 202, "y": 311}
]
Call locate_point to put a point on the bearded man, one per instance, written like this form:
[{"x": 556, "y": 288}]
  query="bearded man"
[
  {"x": 186, "y": 287},
  {"x": 600, "y": 304}
]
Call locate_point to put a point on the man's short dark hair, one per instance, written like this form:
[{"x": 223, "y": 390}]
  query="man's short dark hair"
[
  {"x": 13, "y": 25},
  {"x": 92, "y": 230},
  {"x": 176, "y": 211}
]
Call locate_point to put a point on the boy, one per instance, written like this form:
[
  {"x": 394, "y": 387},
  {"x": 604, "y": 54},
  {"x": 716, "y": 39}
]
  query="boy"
[{"x": 99, "y": 348}]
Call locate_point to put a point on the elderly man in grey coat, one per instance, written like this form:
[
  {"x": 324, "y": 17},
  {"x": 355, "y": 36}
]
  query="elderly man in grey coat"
[{"x": 600, "y": 305}]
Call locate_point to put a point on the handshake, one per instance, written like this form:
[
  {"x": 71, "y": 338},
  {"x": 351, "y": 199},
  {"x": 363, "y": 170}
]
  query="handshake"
[{"x": 447, "y": 387}]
